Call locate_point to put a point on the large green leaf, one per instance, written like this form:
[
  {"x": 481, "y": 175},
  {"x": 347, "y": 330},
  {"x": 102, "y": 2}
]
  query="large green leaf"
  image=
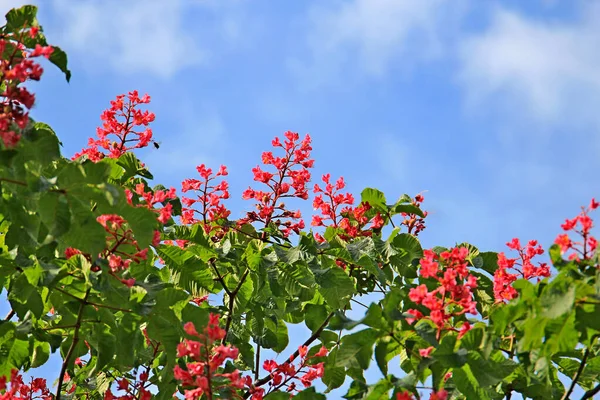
[{"x": 335, "y": 286}]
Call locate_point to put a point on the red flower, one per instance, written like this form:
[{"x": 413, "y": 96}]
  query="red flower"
[
  {"x": 288, "y": 180},
  {"x": 121, "y": 120}
]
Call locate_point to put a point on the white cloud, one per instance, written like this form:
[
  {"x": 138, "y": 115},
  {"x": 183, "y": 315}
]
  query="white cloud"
[
  {"x": 154, "y": 37},
  {"x": 368, "y": 36},
  {"x": 550, "y": 70}
]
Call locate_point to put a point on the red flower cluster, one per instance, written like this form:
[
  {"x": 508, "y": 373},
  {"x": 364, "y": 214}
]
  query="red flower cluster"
[
  {"x": 206, "y": 355},
  {"x": 329, "y": 206},
  {"x": 121, "y": 247},
  {"x": 586, "y": 248},
  {"x": 137, "y": 390},
  {"x": 439, "y": 395},
  {"x": 151, "y": 199},
  {"x": 337, "y": 211},
  {"x": 503, "y": 279},
  {"x": 413, "y": 222},
  {"x": 17, "y": 66},
  {"x": 209, "y": 197},
  {"x": 453, "y": 296},
  {"x": 283, "y": 375},
  {"x": 124, "y": 130},
  {"x": 37, "y": 389},
  {"x": 289, "y": 179}
]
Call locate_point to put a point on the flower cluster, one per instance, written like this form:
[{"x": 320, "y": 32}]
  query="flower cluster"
[
  {"x": 503, "y": 279},
  {"x": 414, "y": 223},
  {"x": 289, "y": 179},
  {"x": 17, "y": 66},
  {"x": 137, "y": 390},
  {"x": 284, "y": 374},
  {"x": 150, "y": 199},
  {"x": 453, "y": 295},
  {"x": 208, "y": 198},
  {"x": 121, "y": 247},
  {"x": 332, "y": 206},
  {"x": 204, "y": 356},
  {"x": 439, "y": 395},
  {"x": 582, "y": 226},
  {"x": 36, "y": 389},
  {"x": 121, "y": 120}
]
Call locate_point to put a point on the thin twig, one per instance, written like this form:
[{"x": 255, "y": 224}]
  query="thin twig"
[
  {"x": 65, "y": 363},
  {"x": 9, "y": 316},
  {"x": 590, "y": 393},
  {"x": 586, "y": 354},
  {"x": 232, "y": 302},
  {"x": 257, "y": 362},
  {"x": 291, "y": 358}
]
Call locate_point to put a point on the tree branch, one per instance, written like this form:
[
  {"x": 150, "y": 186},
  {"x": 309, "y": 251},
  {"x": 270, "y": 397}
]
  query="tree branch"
[
  {"x": 291, "y": 358},
  {"x": 590, "y": 393},
  {"x": 65, "y": 363},
  {"x": 9, "y": 316},
  {"x": 231, "y": 304},
  {"x": 586, "y": 354}
]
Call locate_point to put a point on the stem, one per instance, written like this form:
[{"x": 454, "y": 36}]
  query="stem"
[
  {"x": 231, "y": 303},
  {"x": 586, "y": 354},
  {"x": 8, "y": 180},
  {"x": 291, "y": 358},
  {"x": 211, "y": 262},
  {"x": 65, "y": 363},
  {"x": 257, "y": 362},
  {"x": 9, "y": 316},
  {"x": 590, "y": 393}
]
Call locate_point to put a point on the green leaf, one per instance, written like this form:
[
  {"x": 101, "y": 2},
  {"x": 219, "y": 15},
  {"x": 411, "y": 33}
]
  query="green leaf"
[
  {"x": 55, "y": 213},
  {"x": 14, "y": 353},
  {"x": 379, "y": 391},
  {"x": 558, "y": 298},
  {"x": 333, "y": 376},
  {"x": 385, "y": 350},
  {"x": 105, "y": 343},
  {"x": 24, "y": 297},
  {"x": 467, "y": 383},
  {"x": 19, "y": 18},
  {"x": 488, "y": 261},
  {"x": 308, "y": 394},
  {"x": 315, "y": 315},
  {"x": 447, "y": 355},
  {"x": 561, "y": 334},
  {"x": 409, "y": 250},
  {"x": 408, "y": 209},
  {"x": 491, "y": 371},
  {"x": 59, "y": 58},
  {"x": 335, "y": 286},
  {"x": 40, "y": 354},
  {"x": 128, "y": 337},
  {"x": 357, "y": 349},
  {"x": 375, "y": 198},
  {"x": 165, "y": 327}
]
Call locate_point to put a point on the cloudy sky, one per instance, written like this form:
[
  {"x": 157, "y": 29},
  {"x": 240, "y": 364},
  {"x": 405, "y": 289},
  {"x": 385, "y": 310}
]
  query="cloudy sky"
[{"x": 491, "y": 107}]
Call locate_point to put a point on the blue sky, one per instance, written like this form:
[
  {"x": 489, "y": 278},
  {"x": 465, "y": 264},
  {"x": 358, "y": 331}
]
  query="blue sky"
[{"x": 490, "y": 107}]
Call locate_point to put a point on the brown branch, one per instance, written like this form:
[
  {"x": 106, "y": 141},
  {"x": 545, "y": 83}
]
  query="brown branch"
[
  {"x": 8, "y": 180},
  {"x": 9, "y": 316},
  {"x": 220, "y": 279},
  {"x": 586, "y": 354},
  {"x": 65, "y": 363},
  {"x": 231, "y": 303},
  {"x": 590, "y": 393},
  {"x": 296, "y": 353},
  {"x": 92, "y": 303}
]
